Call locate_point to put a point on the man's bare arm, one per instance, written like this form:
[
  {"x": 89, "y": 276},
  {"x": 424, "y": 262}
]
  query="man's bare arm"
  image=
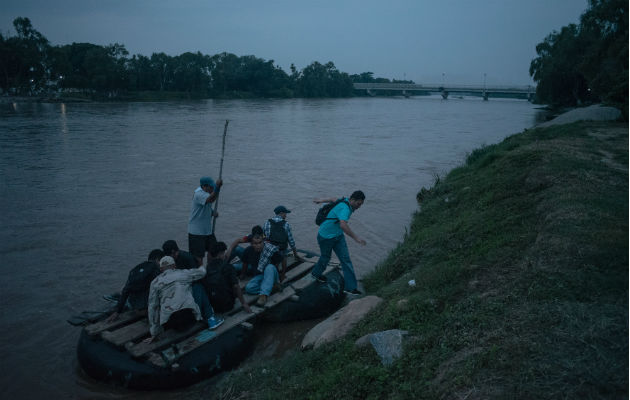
[
  {"x": 239, "y": 293},
  {"x": 230, "y": 249},
  {"x": 324, "y": 200},
  {"x": 346, "y": 228}
]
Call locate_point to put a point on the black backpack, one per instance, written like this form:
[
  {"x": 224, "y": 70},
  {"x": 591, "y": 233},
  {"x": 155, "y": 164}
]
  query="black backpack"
[
  {"x": 141, "y": 275},
  {"x": 322, "y": 214},
  {"x": 214, "y": 281},
  {"x": 217, "y": 287},
  {"x": 278, "y": 235}
]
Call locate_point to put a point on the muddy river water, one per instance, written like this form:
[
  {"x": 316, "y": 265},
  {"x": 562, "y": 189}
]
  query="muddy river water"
[{"x": 87, "y": 190}]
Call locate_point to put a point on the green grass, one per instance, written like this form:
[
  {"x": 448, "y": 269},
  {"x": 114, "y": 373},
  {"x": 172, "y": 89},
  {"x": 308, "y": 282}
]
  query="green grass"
[{"x": 521, "y": 262}]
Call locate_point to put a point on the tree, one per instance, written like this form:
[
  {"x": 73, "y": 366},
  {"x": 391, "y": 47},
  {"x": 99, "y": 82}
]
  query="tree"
[
  {"x": 319, "y": 80},
  {"x": 191, "y": 73},
  {"x": 94, "y": 67},
  {"x": 163, "y": 65},
  {"x": 588, "y": 62},
  {"x": 23, "y": 61},
  {"x": 556, "y": 69},
  {"x": 605, "y": 33}
]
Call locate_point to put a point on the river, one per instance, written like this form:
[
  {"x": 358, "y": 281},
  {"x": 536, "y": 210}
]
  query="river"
[{"x": 88, "y": 189}]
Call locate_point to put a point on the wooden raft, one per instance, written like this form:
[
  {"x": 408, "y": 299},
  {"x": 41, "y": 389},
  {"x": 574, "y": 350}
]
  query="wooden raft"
[{"x": 130, "y": 329}]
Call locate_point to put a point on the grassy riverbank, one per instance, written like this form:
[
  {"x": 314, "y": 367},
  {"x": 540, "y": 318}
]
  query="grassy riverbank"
[{"x": 521, "y": 263}]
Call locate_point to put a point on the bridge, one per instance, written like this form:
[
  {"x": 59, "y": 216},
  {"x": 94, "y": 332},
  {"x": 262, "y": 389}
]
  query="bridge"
[{"x": 520, "y": 92}]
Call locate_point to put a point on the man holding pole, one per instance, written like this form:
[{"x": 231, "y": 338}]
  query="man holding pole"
[{"x": 200, "y": 233}]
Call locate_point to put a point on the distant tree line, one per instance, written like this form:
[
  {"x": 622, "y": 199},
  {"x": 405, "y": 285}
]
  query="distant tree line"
[
  {"x": 587, "y": 62},
  {"x": 30, "y": 65}
]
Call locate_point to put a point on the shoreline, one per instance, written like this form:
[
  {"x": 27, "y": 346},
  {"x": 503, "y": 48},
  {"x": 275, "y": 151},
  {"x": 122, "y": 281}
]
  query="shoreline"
[
  {"x": 180, "y": 96},
  {"x": 511, "y": 277}
]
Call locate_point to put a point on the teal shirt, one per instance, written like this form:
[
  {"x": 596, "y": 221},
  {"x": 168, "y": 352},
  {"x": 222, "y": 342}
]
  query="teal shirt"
[{"x": 330, "y": 228}]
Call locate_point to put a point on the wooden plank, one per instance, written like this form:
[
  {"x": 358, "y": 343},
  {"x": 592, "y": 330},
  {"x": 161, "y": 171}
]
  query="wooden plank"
[
  {"x": 156, "y": 359},
  {"x": 194, "y": 342},
  {"x": 279, "y": 297},
  {"x": 249, "y": 299},
  {"x": 168, "y": 337},
  {"x": 307, "y": 280},
  {"x": 247, "y": 326},
  {"x": 127, "y": 333},
  {"x": 89, "y": 317},
  {"x": 124, "y": 318},
  {"x": 297, "y": 271},
  {"x": 303, "y": 283}
]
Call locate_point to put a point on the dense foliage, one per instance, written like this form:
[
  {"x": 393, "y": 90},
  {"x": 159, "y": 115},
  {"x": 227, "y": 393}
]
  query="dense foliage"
[
  {"x": 586, "y": 62},
  {"x": 30, "y": 65}
]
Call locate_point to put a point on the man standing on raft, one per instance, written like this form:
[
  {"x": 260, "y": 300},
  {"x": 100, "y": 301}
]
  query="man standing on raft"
[
  {"x": 200, "y": 236},
  {"x": 331, "y": 237}
]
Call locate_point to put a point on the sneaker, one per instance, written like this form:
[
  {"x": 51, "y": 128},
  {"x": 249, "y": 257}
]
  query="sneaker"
[
  {"x": 214, "y": 322},
  {"x": 262, "y": 299},
  {"x": 355, "y": 292},
  {"x": 320, "y": 279}
]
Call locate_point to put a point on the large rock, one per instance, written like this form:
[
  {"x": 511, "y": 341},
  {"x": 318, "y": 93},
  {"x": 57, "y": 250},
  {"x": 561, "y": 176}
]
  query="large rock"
[
  {"x": 340, "y": 323},
  {"x": 595, "y": 112},
  {"x": 388, "y": 344}
]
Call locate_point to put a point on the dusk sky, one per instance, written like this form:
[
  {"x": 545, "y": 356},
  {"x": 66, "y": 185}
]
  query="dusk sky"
[{"x": 418, "y": 40}]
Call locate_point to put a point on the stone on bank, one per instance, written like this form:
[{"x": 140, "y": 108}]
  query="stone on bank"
[{"x": 340, "y": 323}]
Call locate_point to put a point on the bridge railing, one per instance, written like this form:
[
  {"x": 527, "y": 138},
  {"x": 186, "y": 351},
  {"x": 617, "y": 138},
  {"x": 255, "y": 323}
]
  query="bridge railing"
[{"x": 435, "y": 86}]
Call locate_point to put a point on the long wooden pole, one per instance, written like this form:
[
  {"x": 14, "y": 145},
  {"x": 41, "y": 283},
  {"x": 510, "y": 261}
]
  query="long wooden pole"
[{"x": 216, "y": 202}]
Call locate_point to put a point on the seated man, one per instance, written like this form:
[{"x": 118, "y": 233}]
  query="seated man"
[
  {"x": 221, "y": 282},
  {"x": 136, "y": 290},
  {"x": 235, "y": 250},
  {"x": 183, "y": 259},
  {"x": 267, "y": 277},
  {"x": 175, "y": 302}
]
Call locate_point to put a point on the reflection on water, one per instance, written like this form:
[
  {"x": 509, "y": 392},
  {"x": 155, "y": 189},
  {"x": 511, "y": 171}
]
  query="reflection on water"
[{"x": 89, "y": 189}]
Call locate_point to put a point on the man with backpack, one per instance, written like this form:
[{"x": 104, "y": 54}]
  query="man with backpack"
[
  {"x": 333, "y": 223},
  {"x": 278, "y": 232},
  {"x": 221, "y": 282},
  {"x": 136, "y": 290},
  {"x": 183, "y": 259}
]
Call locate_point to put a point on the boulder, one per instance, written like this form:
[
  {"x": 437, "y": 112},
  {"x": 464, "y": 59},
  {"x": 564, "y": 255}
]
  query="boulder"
[
  {"x": 388, "y": 344},
  {"x": 595, "y": 112},
  {"x": 340, "y": 323}
]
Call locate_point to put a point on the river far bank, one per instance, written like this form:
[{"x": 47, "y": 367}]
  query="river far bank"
[{"x": 520, "y": 263}]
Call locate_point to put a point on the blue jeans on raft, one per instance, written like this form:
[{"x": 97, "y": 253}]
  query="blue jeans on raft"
[
  {"x": 238, "y": 251},
  {"x": 263, "y": 283},
  {"x": 201, "y": 298},
  {"x": 340, "y": 247}
]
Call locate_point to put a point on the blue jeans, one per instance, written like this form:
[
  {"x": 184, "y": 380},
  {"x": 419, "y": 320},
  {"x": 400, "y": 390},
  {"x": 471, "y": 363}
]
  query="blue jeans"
[
  {"x": 237, "y": 251},
  {"x": 340, "y": 247},
  {"x": 201, "y": 298},
  {"x": 263, "y": 283}
]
